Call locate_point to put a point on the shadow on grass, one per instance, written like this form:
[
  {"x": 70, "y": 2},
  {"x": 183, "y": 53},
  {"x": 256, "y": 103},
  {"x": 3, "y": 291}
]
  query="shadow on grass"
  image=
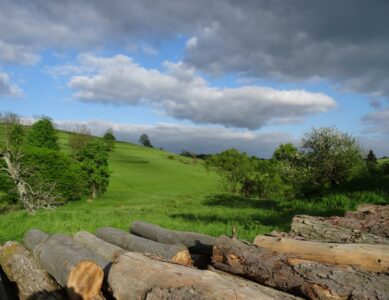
[
  {"x": 276, "y": 214},
  {"x": 235, "y": 201}
]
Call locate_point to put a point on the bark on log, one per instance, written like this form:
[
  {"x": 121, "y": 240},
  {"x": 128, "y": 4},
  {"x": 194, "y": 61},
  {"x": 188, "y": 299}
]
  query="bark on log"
[
  {"x": 322, "y": 229},
  {"x": 371, "y": 258},
  {"x": 106, "y": 250},
  {"x": 31, "y": 280},
  {"x": 163, "y": 280},
  {"x": 72, "y": 265},
  {"x": 131, "y": 242},
  {"x": 33, "y": 238},
  {"x": 289, "y": 273},
  {"x": 196, "y": 242},
  {"x": 368, "y": 218}
]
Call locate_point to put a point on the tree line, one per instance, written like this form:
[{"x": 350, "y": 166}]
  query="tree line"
[
  {"x": 37, "y": 174},
  {"x": 327, "y": 160}
]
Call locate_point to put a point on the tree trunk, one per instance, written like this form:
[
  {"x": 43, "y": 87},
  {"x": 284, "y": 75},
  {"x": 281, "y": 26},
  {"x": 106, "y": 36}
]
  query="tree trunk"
[
  {"x": 373, "y": 258},
  {"x": 163, "y": 280},
  {"x": 73, "y": 266},
  {"x": 196, "y": 242},
  {"x": 288, "y": 272},
  {"x": 33, "y": 238},
  {"x": 322, "y": 229},
  {"x": 31, "y": 280},
  {"x": 14, "y": 171},
  {"x": 106, "y": 250},
  {"x": 177, "y": 253}
]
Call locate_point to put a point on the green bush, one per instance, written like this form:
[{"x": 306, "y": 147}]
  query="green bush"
[{"x": 48, "y": 167}]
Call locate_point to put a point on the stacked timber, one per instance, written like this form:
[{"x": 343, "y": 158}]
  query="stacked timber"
[{"x": 321, "y": 258}]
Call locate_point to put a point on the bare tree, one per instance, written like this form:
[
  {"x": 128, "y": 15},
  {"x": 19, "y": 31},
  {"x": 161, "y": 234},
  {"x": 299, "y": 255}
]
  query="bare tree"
[{"x": 12, "y": 154}]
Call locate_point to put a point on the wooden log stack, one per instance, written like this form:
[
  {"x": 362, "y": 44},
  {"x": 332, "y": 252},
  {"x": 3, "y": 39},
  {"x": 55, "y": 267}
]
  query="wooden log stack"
[{"x": 321, "y": 258}]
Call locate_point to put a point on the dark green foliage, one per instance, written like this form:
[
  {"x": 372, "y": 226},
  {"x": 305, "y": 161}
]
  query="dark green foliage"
[
  {"x": 49, "y": 168},
  {"x": 93, "y": 159},
  {"x": 145, "y": 141},
  {"x": 370, "y": 157},
  {"x": 109, "y": 139},
  {"x": 371, "y": 162},
  {"x": 43, "y": 134}
]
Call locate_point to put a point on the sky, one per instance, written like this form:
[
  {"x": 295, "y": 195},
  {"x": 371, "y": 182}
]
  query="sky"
[{"x": 202, "y": 75}]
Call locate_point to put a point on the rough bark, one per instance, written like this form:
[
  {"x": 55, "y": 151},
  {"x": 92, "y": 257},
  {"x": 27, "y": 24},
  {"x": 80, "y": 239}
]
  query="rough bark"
[
  {"x": 373, "y": 258},
  {"x": 163, "y": 280},
  {"x": 72, "y": 265},
  {"x": 196, "y": 242},
  {"x": 106, "y": 250},
  {"x": 31, "y": 280},
  {"x": 368, "y": 218},
  {"x": 290, "y": 273},
  {"x": 177, "y": 253},
  {"x": 33, "y": 238},
  {"x": 322, "y": 229}
]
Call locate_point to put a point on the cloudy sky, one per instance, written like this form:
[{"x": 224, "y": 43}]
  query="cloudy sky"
[{"x": 201, "y": 75}]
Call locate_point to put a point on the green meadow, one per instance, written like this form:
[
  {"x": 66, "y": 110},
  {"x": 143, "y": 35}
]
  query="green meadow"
[{"x": 170, "y": 190}]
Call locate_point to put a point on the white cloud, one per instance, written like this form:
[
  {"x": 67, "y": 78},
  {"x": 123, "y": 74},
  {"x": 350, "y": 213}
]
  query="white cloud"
[
  {"x": 7, "y": 88},
  {"x": 200, "y": 139},
  {"x": 183, "y": 94}
]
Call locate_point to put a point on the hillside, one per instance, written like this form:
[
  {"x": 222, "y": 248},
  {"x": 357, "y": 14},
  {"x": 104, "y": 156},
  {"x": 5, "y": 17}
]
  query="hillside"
[{"x": 166, "y": 189}]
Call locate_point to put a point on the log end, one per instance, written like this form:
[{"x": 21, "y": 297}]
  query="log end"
[
  {"x": 84, "y": 281},
  {"x": 183, "y": 258}
]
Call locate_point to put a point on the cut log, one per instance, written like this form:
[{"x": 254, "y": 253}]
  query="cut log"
[
  {"x": 322, "y": 229},
  {"x": 292, "y": 274},
  {"x": 177, "y": 253},
  {"x": 33, "y": 238},
  {"x": 196, "y": 242},
  {"x": 163, "y": 280},
  {"x": 72, "y": 265},
  {"x": 373, "y": 258},
  {"x": 6, "y": 251},
  {"x": 31, "y": 280},
  {"x": 106, "y": 250},
  {"x": 368, "y": 218}
]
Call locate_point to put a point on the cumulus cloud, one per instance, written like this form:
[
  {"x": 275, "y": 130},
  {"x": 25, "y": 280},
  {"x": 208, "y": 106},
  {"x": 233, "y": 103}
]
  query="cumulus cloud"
[
  {"x": 180, "y": 92},
  {"x": 7, "y": 88},
  {"x": 200, "y": 139}
]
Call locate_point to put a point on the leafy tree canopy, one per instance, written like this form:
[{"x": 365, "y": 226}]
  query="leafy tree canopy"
[
  {"x": 93, "y": 160},
  {"x": 145, "y": 141},
  {"x": 43, "y": 134}
]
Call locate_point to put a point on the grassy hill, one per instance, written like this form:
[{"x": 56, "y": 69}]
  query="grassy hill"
[{"x": 156, "y": 186}]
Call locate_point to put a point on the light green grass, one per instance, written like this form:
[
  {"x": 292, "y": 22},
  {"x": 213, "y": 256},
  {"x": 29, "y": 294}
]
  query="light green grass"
[{"x": 154, "y": 186}]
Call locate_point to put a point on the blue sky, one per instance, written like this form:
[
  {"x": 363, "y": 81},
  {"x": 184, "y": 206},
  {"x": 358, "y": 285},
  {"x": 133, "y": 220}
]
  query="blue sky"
[{"x": 203, "y": 76}]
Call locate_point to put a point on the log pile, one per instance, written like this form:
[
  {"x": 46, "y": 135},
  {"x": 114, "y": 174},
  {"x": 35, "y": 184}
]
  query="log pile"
[{"x": 321, "y": 258}]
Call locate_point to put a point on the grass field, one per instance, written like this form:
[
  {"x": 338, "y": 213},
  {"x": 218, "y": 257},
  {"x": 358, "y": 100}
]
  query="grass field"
[{"x": 156, "y": 186}]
